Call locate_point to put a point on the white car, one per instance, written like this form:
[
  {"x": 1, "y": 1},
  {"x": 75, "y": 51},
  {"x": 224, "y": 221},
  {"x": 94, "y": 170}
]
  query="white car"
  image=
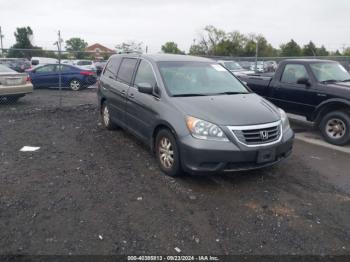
[
  {"x": 259, "y": 67},
  {"x": 35, "y": 61},
  {"x": 235, "y": 68},
  {"x": 67, "y": 62},
  {"x": 85, "y": 64}
]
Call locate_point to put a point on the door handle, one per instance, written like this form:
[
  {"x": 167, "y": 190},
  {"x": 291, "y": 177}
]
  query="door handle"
[
  {"x": 322, "y": 95},
  {"x": 132, "y": 95},
  {"x": 123, "y": 92}
]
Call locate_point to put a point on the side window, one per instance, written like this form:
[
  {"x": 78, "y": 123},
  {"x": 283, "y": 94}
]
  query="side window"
[
  {"x": 293, "y": 72},
  {"x": 62, "y": 68},
  {"x": 145, "y": 74},
  {"x": 46, "y": 69},
  {"x": 126, "y": 70},
  {"x": 112, "y": 67}
]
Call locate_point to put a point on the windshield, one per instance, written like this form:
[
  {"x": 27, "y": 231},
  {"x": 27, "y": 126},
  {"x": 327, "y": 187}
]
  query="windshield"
[
  {"x": 329, "y": 72},
  {"x": 230, "y": 65},
  {"x": 198, "y": 78}
]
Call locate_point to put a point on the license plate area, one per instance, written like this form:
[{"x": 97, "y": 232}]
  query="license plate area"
[
  {"x": 266, "y": 155},
  {"x": 13, "y": 81}
]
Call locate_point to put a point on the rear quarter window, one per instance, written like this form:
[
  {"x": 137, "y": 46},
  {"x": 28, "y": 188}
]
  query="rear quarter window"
[
  {"x": 126, "y": 70},
  {"x": 112, "y": 67}
]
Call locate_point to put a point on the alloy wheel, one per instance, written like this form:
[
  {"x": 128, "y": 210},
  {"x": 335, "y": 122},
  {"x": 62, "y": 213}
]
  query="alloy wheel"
[
  {"x": 166, "y": 153},
  {"x": 105, "y": 115},
  {"x": 75, "y": 85},
  {"x": 335, "y": 128}
]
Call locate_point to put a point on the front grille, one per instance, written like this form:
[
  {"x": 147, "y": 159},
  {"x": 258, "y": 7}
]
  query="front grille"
[{"x": 259, "y": 134}]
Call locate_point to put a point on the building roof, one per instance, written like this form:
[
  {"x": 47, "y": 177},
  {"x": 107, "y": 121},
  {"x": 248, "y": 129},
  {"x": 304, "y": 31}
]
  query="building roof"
[{"x": 97, "y": 45}]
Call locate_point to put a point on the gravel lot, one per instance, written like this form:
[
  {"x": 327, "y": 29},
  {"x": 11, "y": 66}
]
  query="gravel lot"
[{"x": 92, "y": 191}]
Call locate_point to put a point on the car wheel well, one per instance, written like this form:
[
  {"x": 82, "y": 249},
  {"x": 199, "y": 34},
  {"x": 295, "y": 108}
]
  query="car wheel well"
[
  {"x": 336, "y": 106},
  {"x": 102, "y": 101},
  {"x": 156, "y": 131}
]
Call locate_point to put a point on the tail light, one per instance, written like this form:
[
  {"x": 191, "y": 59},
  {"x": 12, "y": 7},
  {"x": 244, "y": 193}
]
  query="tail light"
[
  {"x": 28, "y": 79},
  {"x": 87, "y": 73}
]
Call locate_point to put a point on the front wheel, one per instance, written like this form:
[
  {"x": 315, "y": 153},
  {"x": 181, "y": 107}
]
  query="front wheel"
[
  {"x": 335, "y": 127},
  {"x": 75, "y": 85},
  {"x": 167, "y": 153}
]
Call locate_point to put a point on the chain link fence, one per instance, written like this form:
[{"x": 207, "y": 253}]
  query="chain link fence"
[
  {"x": 26, "y": 74},
  {"x": 52, "y": 78}
]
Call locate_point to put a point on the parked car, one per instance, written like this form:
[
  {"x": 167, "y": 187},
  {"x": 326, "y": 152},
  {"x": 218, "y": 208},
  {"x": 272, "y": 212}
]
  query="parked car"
[
  {"x": 270, "y": 66},
  {"x": 35, "y": 61},
  {"x": 259, "y": 67},
  {"x": 18, "y": 64},
  {"x": 246, "y": 64},
  {"x": 193, "y": 113},
  {"x": 13, "y": 85},
  {"x": 71, "y": 76},
  {"x": 99, "y": 66},
  {"x": 234, "y": 67},
  {"x": 85, "y": 64},
  {"x": 316, "y": 89},
  {"x": 67, "y": 61}
]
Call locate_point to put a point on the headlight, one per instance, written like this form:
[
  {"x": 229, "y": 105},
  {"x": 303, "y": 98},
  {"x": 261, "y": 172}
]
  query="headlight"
[
  {"x": 284, "y": 119},
  {"x": 204, "y": 130}
]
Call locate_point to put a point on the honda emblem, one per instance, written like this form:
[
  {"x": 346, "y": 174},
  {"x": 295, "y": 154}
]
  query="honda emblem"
[{"x": 264, "y": 135}]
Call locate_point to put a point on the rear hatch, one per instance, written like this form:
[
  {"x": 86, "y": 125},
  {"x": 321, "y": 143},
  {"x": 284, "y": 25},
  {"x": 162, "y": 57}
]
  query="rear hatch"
[{"x": 13, "y": 79}]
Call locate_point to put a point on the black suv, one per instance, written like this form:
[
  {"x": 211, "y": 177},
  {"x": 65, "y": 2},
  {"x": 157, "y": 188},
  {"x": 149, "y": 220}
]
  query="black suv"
[{"x": 194, "y": 114}]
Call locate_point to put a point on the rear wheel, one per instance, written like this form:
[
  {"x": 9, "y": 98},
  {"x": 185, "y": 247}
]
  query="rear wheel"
[
  {"x": 335, "y": 127},
  {"x": 167, "y": 153},
  {"x": 75, "y": 85},
  {"x": 106, "y": 117}
]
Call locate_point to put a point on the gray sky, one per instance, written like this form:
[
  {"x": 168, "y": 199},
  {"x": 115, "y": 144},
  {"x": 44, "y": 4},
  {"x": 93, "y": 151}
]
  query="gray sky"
[{"x": 154, "y": 22}]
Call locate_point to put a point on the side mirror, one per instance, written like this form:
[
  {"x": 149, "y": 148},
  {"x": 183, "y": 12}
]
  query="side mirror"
[
  {"x": 303, "y": 81},
  {"x": 145, "y": 88}
]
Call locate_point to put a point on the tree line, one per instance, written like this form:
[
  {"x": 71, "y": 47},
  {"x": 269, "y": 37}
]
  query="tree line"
[
  {"x": 210, "y": 42},
  {"x": 216, "y": 42}
]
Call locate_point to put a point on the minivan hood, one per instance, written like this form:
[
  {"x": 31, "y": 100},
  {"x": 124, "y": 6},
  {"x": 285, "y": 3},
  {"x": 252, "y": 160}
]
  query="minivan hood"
[{"x": 229, "y": 110}]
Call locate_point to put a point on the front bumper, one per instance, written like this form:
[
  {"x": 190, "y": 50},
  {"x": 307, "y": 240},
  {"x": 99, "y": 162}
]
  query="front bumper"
[
  {"x": 16, "y": 90},
  {"x": 202, "y": 156}
]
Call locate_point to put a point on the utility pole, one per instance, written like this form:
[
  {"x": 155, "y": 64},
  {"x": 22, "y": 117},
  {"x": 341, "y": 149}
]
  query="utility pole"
[
  {"x": 2, "y": 47},
  {"x": 256, "y": 55},
  {"x": 59, "y": 43}
]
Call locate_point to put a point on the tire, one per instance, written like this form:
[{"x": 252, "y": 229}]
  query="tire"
[
  {"x": 106, "y": 117},
  {"x": 335, "y": 127},
  {"x": 75, "y": 85},
  {"x": 167, "y": 153}
]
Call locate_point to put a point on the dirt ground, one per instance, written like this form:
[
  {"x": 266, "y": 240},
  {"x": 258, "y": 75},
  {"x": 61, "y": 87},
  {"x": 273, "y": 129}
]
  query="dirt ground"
[{"x": 92, "y": 191}]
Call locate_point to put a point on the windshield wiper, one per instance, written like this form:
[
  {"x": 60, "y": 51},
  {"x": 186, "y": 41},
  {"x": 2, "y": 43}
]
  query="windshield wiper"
[
  {"x": 329, "y": 81},
  {"x": 229, "y": 93},
  {"x": 346, "y": 80},
  {"x": 185, "y": 95}
]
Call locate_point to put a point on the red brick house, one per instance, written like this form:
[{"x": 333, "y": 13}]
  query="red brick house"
[{"x": 99, "y": 51}]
